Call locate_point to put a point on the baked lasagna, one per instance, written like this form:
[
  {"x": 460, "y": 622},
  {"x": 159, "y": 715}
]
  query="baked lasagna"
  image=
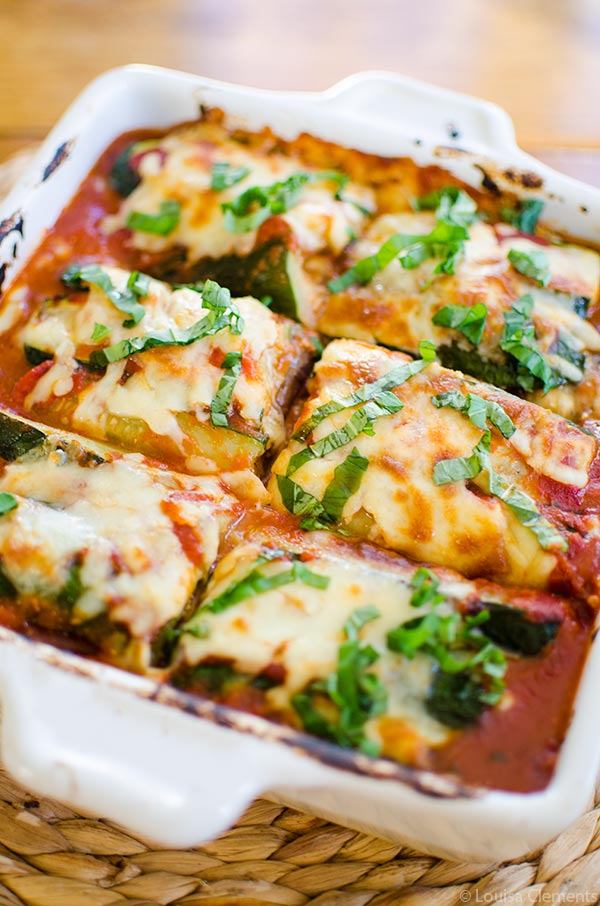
[{"x": 311, "y": 433}]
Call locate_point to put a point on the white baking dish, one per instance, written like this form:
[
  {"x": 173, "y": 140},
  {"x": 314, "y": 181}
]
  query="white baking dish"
[{"x": 116, "y": 745}]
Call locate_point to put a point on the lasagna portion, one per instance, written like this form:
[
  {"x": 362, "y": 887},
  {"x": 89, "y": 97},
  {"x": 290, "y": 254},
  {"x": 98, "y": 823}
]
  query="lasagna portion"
[
  {"x": 187, "y": 375},
  {"x": 425, "y": 461},
  {"x": 99, "y": 545},
  {"x": 373, "y": 652},
  {"x": 502, "y": 305},
  {"x": 201, "y": 202}
]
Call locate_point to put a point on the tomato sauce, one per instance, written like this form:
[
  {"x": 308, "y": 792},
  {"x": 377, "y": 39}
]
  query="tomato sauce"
[{"x": 513, "y": 747}]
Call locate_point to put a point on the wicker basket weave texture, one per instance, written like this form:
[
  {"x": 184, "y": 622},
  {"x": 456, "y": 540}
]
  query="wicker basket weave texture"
[{"x": 51, "y": 856}]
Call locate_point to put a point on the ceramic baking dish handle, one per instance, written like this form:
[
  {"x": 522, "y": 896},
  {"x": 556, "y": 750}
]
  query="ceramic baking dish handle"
[
  {"x": 159, "y": 772},
  {"x": 439, "y": 116}
]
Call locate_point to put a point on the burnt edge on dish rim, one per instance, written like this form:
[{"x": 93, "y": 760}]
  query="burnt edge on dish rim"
[
  {"x": 437, "y": 786},
  {"x": 59, "y": 157}
]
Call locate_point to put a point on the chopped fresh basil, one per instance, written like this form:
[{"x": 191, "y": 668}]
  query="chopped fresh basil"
[
  {"x": 256, "y": 582},
  {"x": 224, "y": 175},
  {"x": 427, "y": 351},
  {"x": 223, "y": 315},
  {"x": 451, "y": 205},
  {"x": 161, "y": 224},
  {"x": 357, "y": 694},
  {"x": 525, "y": 216},
  {"x": 468, "y": 319},
  {"x": 7, "y": 503},
  {"x": 345, "y": 482},
  {"x": 126, "y": 300},
  {"x": 72, "y": 589},
  {"x": 518, "y": 341},
  {"x": 479, "y": 410},
  {"x": 360, "y": 422},
  {"x": 325, "y": 513},
  {"x": 519, "y": 503},
  {"x": 376, "y": 390},
  {"x": 524, "y": 508},
  {"x": 458, "y": 647},
  {"x": 446, "y": 241},
  {"x": 250, "y": 209},
  {"x": 532, "y": 264},
  {"x": 570, "y": 354},
  {"x": 425, "y": 586},
  {"x": 512, "y": 628},
  {"x": 100, "y": 332},
  {"x": 461, "y": 468},
  {"x": 232, "y": 366}
]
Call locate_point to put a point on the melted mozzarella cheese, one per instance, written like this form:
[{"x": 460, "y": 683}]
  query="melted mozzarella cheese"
[
  {"x": 168, "y": 380},
  {"x": 397, "y": 306},
  {"x": 119, "y": 523},
  {"x": 301, "y": 628},
  {"x": 181, "y": 170},
  {"x": 397, "y": 503}
]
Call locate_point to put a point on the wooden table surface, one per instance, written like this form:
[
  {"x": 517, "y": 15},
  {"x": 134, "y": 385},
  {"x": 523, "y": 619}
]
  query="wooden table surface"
[{"x": 539, "y": 59}]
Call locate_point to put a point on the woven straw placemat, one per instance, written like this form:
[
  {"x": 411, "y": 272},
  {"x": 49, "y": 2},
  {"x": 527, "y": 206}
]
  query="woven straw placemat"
[{"x": 51, "y": 856}]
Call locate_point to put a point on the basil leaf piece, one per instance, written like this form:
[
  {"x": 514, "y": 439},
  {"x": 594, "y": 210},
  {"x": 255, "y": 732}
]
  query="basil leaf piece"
[
  {"x": 7, "y": 503},
  {"x": 525, "y": 216},
  {"x": 376, "y": 390},
  {"x": 256, "y": 582},
  {"x": 325, "y": 513},
  {"x": 250, "y": 209},
  {"x": 357, "y": 694},
  {"x": 458, "y": 469},
  {"x": 359, "y": 618},
  {"x": 298, "y": 501},
  {"x": 468, "y": 319},
  {"x": 223, "y": 315},
  {"x": 100, "y": 332},
  {"x": 345, "y": 482},
  {"x": 219, "y": 407},
  {"x": 445, "y": 241},
  {"x": 126, "y": 300},
  {"x": 479, "y": 410},
  {"x": 161, "y": 224},
  {"x": 518, "y": 341},
  {"x": 73, "y": 588},
  {"x": 524, "y": 508},
  {"x": 451, "y": 205},
  {"x": 459, "y": 648},
  {"x": 563, "y": 348},
  {"x": 360, "y": 422},
  {"x": 519, "y": 503},
  {"x": 425, "y": 586},
  {"x": 532, "y": 264},
  {"x": 224, "y": 175}
]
